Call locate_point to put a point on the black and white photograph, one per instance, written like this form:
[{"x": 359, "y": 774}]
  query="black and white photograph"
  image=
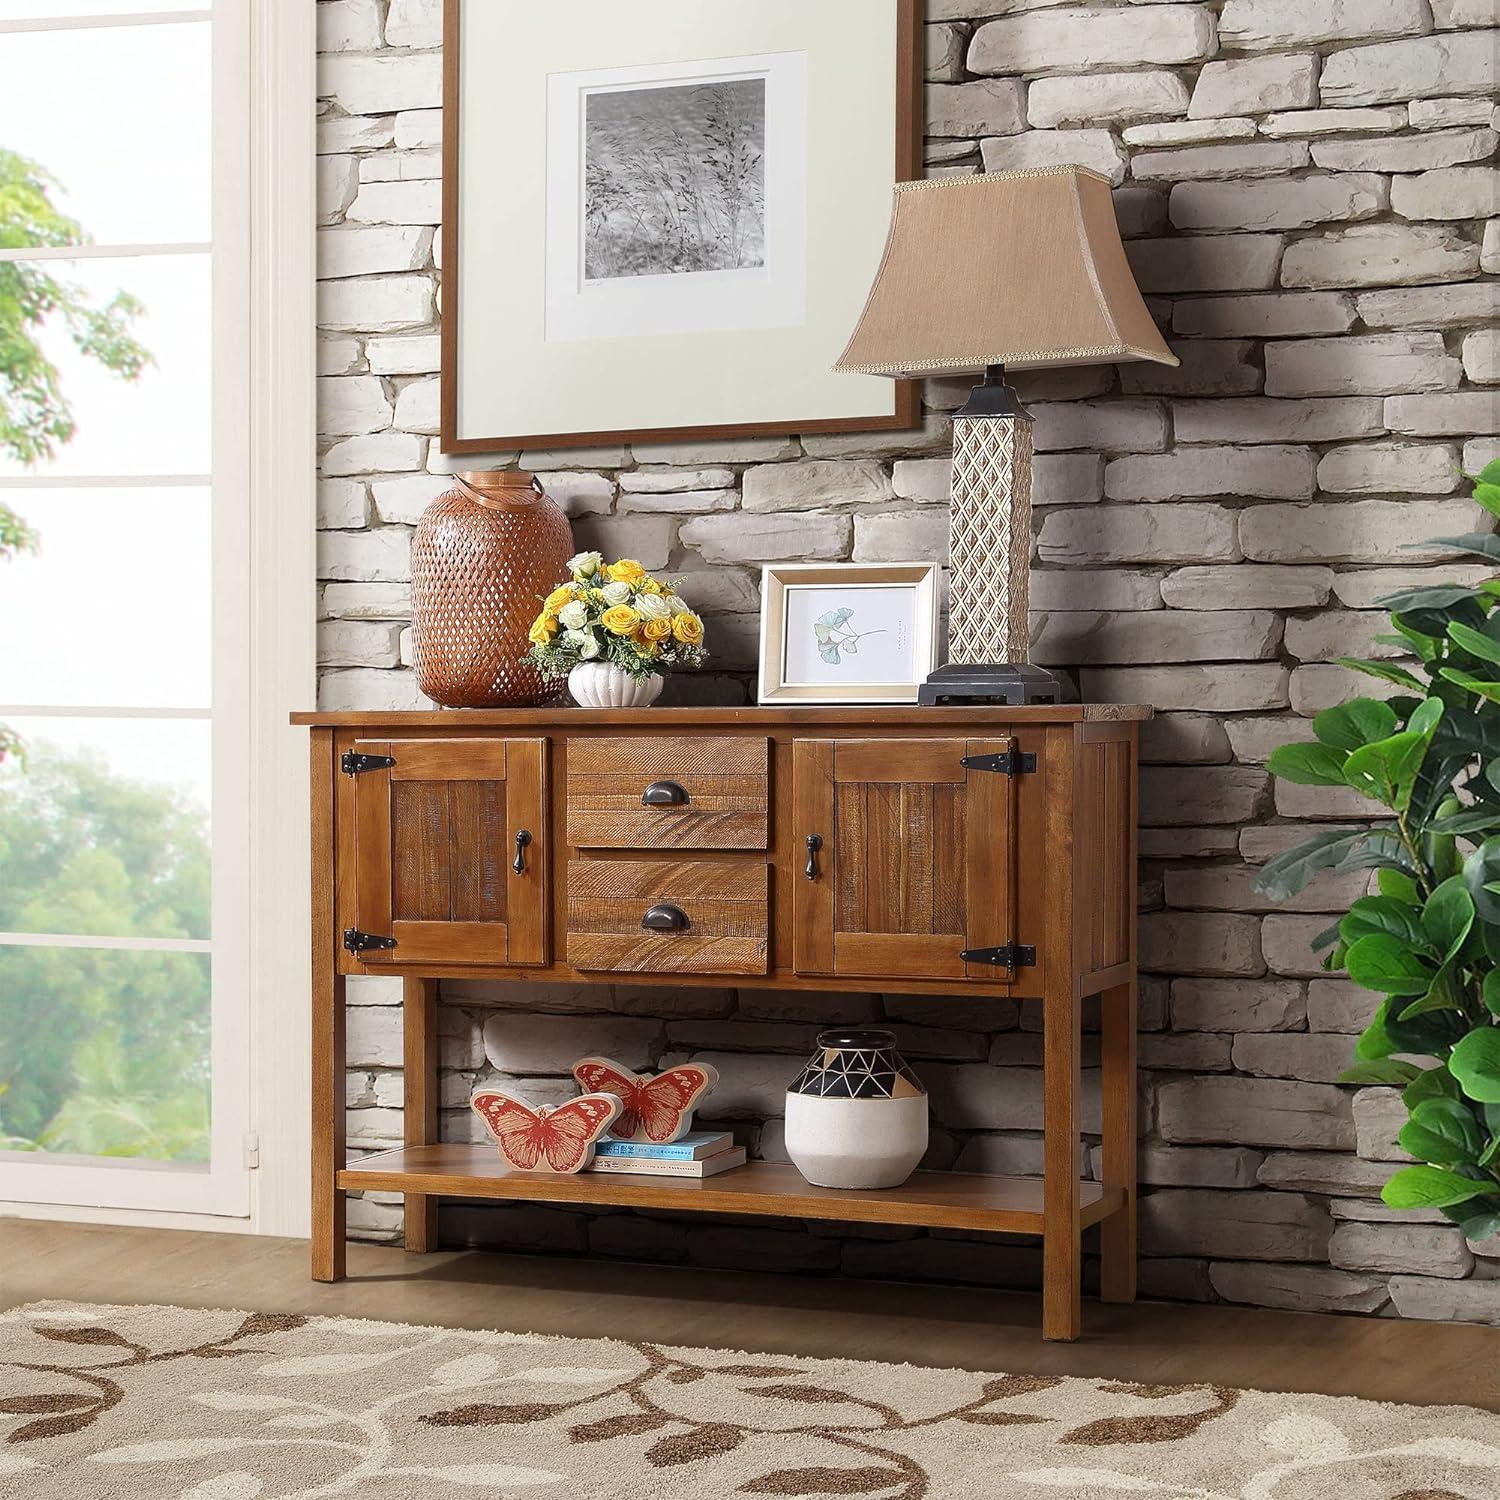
[{"x": 675, "y": 179}]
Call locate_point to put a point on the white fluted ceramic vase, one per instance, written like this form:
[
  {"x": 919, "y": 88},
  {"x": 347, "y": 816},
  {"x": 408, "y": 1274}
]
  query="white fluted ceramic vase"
[
  {"x": 857, "y": 1115},
  {"x": 601, "y": 684}
]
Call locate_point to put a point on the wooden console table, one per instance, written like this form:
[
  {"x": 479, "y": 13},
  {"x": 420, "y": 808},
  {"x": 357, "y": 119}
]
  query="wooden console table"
[{"x": 943, "y": 851}]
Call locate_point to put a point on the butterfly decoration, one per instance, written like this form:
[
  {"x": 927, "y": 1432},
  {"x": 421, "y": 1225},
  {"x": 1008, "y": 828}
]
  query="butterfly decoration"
[
  {"x": 834, "y": 635},
  {"x": 549, "y": 1138},
  {"x": 658, "y": 1108}
]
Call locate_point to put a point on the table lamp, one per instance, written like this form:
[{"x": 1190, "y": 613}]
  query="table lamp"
[{"x": 1012, "y": 270}]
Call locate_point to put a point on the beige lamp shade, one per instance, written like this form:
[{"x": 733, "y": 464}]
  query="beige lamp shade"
[{"x": 1022, "y": 269}]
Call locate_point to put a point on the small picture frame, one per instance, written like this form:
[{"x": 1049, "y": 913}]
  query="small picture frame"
[{"x": 847, "y": 632}]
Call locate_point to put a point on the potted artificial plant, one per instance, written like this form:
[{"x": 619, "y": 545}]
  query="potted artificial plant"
[{"x": 1428, "y": 940}]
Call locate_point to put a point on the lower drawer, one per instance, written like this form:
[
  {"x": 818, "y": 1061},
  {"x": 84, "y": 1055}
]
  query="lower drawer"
[{"x": 701, "y": 916}]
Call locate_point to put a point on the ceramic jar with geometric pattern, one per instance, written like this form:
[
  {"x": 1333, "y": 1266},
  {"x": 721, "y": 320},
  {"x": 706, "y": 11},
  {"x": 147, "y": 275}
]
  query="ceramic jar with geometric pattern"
[
  {"x": 483, "y": 557},
  {"x": 856, "y": 1117}
]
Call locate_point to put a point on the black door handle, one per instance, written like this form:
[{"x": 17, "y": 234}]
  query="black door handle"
[
  {"x": 814, "y": 842},
  {"x": 523, "y": 839},
  {"x": 666, "y": 918},
  {"x": 665, "y": 794}
]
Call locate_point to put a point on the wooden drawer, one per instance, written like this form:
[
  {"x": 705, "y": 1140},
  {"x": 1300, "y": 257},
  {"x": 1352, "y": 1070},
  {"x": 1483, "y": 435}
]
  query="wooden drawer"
[
  {"x": 718, "y": 786},
  {"x": 724, "y": 910}
]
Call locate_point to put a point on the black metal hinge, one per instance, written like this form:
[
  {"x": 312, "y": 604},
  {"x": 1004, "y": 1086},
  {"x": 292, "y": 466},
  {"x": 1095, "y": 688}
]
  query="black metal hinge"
[
  {"x": 1012, "y": 956},
  {"x": 362, "y": 942},
  {"x": 1011, "y": 763},
  {"x": 355, "y": 761}
]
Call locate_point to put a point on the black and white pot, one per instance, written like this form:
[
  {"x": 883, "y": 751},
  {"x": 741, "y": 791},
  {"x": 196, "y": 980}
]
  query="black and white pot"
[{"x": 856, "y": 1117}]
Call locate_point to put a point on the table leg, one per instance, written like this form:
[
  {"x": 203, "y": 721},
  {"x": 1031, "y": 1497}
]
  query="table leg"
[
  {"x": 420, "y": 1099},
  {"x": 1117, "y": 1015},
  {"x": 328, "y": 1052},
  {"x": 1062, "y": 1254}
]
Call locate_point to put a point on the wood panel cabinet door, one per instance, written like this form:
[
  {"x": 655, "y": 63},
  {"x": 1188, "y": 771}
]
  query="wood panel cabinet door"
[
  {"x": 905, "y": 857},
  {"x": 451, "y": 850}
]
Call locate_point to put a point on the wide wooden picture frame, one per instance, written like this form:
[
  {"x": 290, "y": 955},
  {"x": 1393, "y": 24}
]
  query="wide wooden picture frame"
[
  {"x": 811, "y": 612},
  {"x": 657, "y": 225}
]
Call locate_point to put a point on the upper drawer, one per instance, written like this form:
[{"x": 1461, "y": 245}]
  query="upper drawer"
[{"x": 655, "y": 792}]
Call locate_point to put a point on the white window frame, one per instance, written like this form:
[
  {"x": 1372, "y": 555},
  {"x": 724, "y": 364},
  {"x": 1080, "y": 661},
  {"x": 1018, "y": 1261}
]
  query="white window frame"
[{"x": 264, "y": 88}]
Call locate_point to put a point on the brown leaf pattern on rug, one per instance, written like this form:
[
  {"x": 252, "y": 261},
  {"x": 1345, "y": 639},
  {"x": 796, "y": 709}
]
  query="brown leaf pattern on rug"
[{"x": 123, "y": 1402}]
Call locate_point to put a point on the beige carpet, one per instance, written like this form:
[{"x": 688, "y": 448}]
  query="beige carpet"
[{"x": 151, "y": 1402}]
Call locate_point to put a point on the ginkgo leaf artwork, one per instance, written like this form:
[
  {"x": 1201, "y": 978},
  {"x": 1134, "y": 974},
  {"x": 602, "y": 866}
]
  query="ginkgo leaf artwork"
[{"x": 837, "y": 637}]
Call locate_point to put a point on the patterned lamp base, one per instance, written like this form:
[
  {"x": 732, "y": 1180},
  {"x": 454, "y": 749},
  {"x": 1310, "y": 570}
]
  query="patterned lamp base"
[{"x": 989, "y": 558}]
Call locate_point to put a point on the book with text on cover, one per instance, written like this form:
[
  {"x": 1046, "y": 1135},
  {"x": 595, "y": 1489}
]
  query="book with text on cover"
[
  {"x": 647, "y": 1166},
  {"x": 692, "y": 1147}
]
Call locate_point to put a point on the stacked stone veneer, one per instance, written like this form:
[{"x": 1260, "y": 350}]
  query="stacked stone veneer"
[{"x": 1309, "y": 193}]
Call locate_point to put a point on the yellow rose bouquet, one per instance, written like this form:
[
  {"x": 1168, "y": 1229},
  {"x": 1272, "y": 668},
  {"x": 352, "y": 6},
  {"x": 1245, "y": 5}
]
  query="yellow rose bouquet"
[{"x": 615, "y": 613}]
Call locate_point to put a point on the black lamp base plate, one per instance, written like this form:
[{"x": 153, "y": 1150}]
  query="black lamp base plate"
[{"x": 1011, "y": 684}]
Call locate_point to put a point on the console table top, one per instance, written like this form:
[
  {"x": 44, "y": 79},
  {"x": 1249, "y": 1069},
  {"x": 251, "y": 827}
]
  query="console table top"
[{"x": 903, "y": 717}]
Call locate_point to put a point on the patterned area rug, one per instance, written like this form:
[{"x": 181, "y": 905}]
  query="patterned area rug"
[{"x": 162, "y": 1402}]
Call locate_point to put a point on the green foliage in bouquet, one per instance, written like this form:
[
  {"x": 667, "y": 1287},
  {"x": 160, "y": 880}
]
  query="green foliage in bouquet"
[{"x": 1429, "y": 941}]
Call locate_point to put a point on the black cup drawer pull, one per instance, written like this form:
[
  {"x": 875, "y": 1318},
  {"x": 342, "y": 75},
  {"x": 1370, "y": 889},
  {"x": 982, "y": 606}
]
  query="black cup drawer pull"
[
  {"x": 666, "y": 918},
  {"x": 665, "y": 794}
]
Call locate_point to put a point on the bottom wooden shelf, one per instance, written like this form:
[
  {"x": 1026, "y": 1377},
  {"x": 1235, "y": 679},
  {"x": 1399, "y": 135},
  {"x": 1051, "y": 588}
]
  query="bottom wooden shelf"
[{"x": 940, "y": 1200}]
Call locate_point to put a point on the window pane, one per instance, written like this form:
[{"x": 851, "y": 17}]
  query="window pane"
[
  {"x": 159, "y": 422},
  {"x": 104, "y": 828},
  {"x": 76, "y": 628},
  {"x": 105, "y": 1053},
  {"x": 118, "y": 117}
]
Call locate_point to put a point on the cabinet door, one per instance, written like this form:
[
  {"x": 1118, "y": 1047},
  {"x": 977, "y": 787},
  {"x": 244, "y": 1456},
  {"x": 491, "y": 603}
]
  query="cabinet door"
[
  {"x": 916, "y": 863},
  {"x": 439, "y": 832}
]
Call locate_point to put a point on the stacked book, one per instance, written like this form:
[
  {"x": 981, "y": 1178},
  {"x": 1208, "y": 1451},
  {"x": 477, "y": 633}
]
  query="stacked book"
[{"x": 702, "y": 1153}]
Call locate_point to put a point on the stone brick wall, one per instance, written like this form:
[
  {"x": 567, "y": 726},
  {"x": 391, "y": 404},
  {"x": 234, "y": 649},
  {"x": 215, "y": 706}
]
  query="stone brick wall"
[{"x": 1308, "y": 190}]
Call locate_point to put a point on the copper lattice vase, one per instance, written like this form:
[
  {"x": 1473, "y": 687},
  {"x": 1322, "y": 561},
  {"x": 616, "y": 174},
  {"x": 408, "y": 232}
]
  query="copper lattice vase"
[{"x": 485, "y": 554}]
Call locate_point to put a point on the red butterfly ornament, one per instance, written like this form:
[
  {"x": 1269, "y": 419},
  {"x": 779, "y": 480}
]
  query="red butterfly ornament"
[
  {"x": 658, "y": 1108},
  {"x": 547, "y": 1138}
]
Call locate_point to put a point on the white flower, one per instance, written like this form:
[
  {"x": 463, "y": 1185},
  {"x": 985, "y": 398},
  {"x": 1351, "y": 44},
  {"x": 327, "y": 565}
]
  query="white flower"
[
  {"x": 577, "y": 639},
  {"x": 653, "y": 607},
  {"x": 678, "y": 605},
  {"x": 573, "y": 615},
  {"x": 590, "y": 647},
  {"x": 585, "y": 564},
  {"x": 616, "y": 593}
]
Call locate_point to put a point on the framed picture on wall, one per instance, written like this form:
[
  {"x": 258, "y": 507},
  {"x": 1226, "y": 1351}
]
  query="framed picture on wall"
[
  {"x": 660, "y": 217},
  {"x": 847, "y": 632}
]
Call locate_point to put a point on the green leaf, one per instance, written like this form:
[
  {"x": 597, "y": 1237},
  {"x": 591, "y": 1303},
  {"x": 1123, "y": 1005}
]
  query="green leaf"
[
  {"x": 1444, "y": 1132},
  {"x": 1490, "y": 992},
  {"x": 1381, "y": 1070},
  {"x": 1489, "y": 691},
  {"x": 1360, "y": 721},
  {"x": 1288, "y": 873},
  {"x": 1482, "y": 1225},
  {"x": 1424, "y": 718},
  {"x": 1385, "y": 671},
  {"x": 1490, "y": 473},
  {"x": 1308, "y": 764},
  {"x": 1385, "y": 963},
  {"x": 1475, "y": 642},
  {"x": 1375, "y": 1041},
  {"x": 1387, "y": 769},
  {"x": 1475, "y": 1062},
  {"x": 1383, "y": 914},
  {"x": 1399, "y": 887},
  {"x": 1439, "y": 997},
  {"x": 1435, "y": 1083},
  {"x": 1430, "y": 1187},
  {"x": 1442, "y": 597},
  {"x": 1448, "y": 915},
  {"x": 1481, "y": 870},
  {"x": 1475, "y": 820},
  {"x": 1488, "y": 495},
  {"x": 1480, "y": 543}
]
